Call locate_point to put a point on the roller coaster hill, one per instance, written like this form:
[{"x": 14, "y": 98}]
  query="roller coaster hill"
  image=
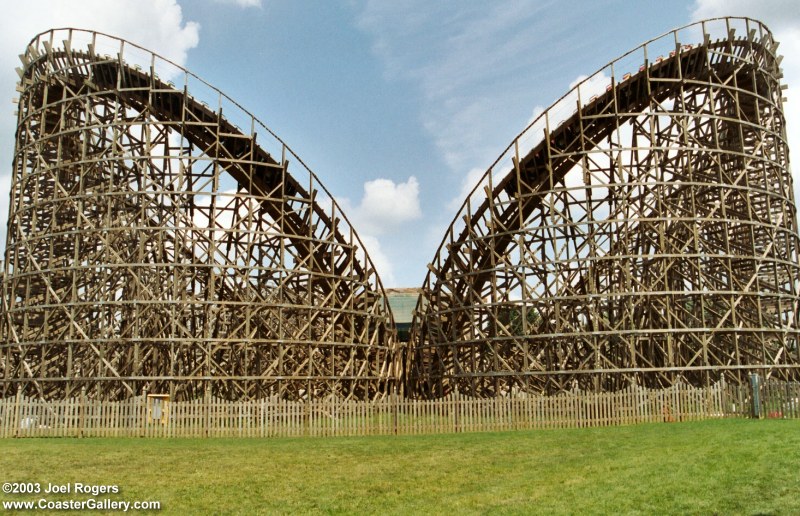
[{"x": 641, "y": 231}]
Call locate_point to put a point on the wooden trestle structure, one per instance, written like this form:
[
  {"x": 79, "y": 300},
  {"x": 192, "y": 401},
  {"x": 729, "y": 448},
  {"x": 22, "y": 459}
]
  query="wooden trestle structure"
[
  {"x": 641, "y": 232},
  {"x": 153, "y": 244}
]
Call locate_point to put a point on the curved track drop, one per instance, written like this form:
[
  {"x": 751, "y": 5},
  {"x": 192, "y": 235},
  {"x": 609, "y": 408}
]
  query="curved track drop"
[
  {"x": 648, "y": 237},
  {"x": 153, "y": 244}
]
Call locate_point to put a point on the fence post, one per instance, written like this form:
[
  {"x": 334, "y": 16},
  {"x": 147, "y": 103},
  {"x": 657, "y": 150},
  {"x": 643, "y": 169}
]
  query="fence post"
[
  {"x": 82, "y": 425},
  {"x": 207, "y": 410},
  {"x": 16, "y": 410},
  {"x": 307, "y": 416},
  {"x": 395, "y": 400},
  {"x": 755, "y": 384},
  {"x": 142, "y": 414},
  {"x": 456, "y": 409}
]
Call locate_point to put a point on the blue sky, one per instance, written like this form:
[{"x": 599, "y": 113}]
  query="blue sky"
[{"x": 393, "y": 104}]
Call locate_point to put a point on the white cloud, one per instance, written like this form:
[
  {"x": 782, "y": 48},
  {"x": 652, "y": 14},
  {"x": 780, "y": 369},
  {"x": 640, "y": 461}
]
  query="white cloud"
[
  {"x": 241, "y": 3},
  {"x": 385, "y": 205},
  {"x": 384, "y": 208},
  {"x": 157, "y": 25}
]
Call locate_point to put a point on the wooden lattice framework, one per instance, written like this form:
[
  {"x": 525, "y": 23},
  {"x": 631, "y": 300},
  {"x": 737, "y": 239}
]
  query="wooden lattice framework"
[
  {"x": 642, "y": 230},
  {"x": 154, "y": 244}
]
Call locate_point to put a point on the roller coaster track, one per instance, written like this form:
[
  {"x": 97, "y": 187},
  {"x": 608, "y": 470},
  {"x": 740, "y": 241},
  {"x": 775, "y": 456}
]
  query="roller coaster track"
[
  {"x": 647, "y": 237},
  {"x": 238, "y": 153},
  {"x": 279, "y": 299},
  {"x": 462, "y": 335}
]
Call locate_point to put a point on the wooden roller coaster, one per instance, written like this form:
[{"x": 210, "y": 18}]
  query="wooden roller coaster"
[
  {"x": 155, "y": 245},
  {"x": 650, "y": 236},
  {"x": 641, "y": 231}
]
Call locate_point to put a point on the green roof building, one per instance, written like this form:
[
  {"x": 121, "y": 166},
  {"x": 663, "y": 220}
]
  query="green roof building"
[{"x": 403, "y": 302}]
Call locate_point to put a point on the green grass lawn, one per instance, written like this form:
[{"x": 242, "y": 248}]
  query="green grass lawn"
[{"x": 713, "y": 467}]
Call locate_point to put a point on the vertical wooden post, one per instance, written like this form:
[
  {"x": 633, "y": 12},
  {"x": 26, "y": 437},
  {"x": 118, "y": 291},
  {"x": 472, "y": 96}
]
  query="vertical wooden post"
[
  {"x": 82, "y": 422},
  {"x": 142, "y": 414},
  {"x": 307, "y": 416},
  {"x": 395, "y": 400},
  {"x": 207, "y": 411},
  {"x": 456, "y": 410},
  {"x": 16, "y": 410}
]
